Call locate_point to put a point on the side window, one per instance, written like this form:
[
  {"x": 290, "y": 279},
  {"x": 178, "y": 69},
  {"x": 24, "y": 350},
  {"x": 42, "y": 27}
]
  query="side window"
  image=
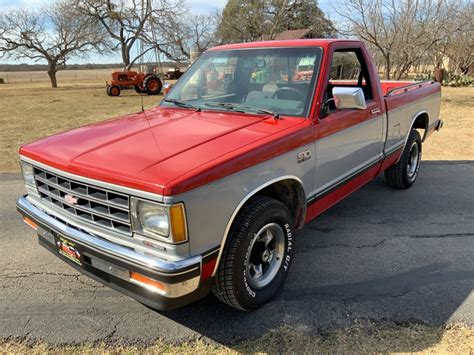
[
  {"x": 348, "y": 68},
  {"x": 345, "y": 66}
]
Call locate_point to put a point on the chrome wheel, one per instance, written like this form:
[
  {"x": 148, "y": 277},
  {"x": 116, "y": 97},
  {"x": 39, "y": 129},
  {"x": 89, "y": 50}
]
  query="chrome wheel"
[
  {"x": 413, "y": 161},
  {"x": 265, "y": 255}
]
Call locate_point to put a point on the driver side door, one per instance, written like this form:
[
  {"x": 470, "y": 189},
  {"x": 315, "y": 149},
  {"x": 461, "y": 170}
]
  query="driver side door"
[{"x": 348, "y": 142}]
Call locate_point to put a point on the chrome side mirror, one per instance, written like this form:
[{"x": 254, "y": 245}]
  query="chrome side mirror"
[{"x": 345, "y": 97}]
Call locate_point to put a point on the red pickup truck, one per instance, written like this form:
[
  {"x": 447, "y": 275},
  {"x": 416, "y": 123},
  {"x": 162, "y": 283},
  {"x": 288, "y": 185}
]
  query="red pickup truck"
[{"x": 207, "y": 190}]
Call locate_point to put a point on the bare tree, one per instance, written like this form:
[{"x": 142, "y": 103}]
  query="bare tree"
[
  {"x": 129, "y": 22},
  {"x": 53, "y": 34},
  {"x": 402, "y": 32},
  {"x": 459, "y": 46},
  {"x": 180, "y": 36}
]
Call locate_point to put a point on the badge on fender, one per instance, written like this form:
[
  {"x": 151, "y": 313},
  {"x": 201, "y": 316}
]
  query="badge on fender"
[{"x": 304, "y": 155}]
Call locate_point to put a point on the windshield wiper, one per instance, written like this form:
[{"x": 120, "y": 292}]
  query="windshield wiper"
[
  {"x": 182, "y": 104},
  {"x": 235, "y": 107}
]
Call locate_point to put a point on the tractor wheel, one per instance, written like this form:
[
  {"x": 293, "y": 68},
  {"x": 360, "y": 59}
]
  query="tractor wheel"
[
  {"x": 113, "y": 90},
  {"x": 152, "y": 85},
  {"x": 139, "y": 89}
]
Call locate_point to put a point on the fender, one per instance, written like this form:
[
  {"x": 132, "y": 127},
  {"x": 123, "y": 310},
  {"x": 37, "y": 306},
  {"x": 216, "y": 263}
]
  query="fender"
[
  {"x": 418, "y": 114},
  {"x": 242, "y": 203}
]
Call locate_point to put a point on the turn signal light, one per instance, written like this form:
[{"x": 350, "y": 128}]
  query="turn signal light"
[
  {"x": 30, "y": 223},
  {"x": 178, "y": 223},
  {"x": 147, "y": 282}
]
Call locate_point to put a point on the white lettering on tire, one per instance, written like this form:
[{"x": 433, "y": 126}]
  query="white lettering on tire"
[{"x": 286, "y": 263}]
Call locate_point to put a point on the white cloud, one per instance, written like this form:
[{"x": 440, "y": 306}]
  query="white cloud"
[
  {"x": 32, "y": 4},
  {"x": 205, "y": 7}
]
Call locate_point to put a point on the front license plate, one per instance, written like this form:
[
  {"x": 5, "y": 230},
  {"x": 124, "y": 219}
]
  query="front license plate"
[{"x": 69, "y": 250}]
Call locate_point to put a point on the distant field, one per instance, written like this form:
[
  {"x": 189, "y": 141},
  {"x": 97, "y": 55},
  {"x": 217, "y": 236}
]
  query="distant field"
[
  {"x": 30, "y": 111},
  {"x": 33, "y": 110},
  {"x": 64, "y": 76}
]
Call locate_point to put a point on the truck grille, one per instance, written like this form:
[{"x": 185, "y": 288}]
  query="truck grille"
[{"x": 89, "y": 203}]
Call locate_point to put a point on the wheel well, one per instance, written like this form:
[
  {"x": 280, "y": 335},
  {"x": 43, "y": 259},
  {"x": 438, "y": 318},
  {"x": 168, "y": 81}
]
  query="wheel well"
[
  {"x": 291, "y": 193},
  {"x": 421, "y": 122}
]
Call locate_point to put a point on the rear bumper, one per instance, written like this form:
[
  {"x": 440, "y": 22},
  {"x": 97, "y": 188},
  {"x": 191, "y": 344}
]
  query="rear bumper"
[
  {"x": 435, "y": 126},
  {"x": 439, "y": 125},
  {"x": 111, "y": 264}
]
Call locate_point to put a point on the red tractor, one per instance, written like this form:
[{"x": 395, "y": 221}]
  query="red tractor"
[{"x": 144, "y": 83}]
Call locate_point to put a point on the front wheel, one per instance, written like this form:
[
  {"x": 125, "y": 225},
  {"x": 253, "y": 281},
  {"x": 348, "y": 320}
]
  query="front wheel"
[
  {"x": 113, "y": 90},
  {"x": 403, "y": 174},
  {"x": 257, "y": 255}
]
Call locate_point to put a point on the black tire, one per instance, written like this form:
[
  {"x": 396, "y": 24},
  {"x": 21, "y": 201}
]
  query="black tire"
[
  {"x": 113, "y": 90},
  {"x": 403, "y": 174},
  {"x": 233, "y": 284},
  {"x": 138, "y": 89},
  {"x": 152, "y": 85}
]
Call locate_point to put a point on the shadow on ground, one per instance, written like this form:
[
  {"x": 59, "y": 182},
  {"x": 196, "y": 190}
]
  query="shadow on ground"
[
  {"x": 397, "y": 258},
  {"x": 380, "y": 259}
]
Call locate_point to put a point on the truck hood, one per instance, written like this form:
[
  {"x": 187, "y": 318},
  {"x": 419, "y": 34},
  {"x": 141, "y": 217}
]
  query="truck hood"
[{"x": 147, "y": 150}]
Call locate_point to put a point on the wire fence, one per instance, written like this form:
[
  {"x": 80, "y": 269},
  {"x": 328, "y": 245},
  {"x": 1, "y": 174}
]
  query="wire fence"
[
  {"x": 64, "y": 75},
  {"x": 84, "y": 75}
]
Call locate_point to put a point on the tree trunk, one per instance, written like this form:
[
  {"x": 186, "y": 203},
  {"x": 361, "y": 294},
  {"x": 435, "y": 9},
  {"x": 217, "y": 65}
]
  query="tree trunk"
[
  {"x": 387, "y": 68},
  {"x": 52, "y": 75},
  {"x": 439, "y": 74},
  {"x": 126, "y": 57}
]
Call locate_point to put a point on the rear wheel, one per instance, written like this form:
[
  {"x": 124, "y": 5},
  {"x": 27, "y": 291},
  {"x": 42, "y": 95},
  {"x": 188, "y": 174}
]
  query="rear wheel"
[
  {"x": 113, "y": 90},
  {"x": 403, "y": 174},
  {"x": 257, "y": 255},
  {"x": 152, "y": 85},
  {"x": 139, "y": 89}
]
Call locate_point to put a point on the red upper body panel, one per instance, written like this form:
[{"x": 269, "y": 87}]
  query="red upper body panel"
[
  {"x": 171, "y": 150},
  {"x": 149, "y": 150}
]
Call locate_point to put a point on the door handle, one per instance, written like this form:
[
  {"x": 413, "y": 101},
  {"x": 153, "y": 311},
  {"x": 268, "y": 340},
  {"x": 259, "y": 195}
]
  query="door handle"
[{"x": 375, "y": 111}]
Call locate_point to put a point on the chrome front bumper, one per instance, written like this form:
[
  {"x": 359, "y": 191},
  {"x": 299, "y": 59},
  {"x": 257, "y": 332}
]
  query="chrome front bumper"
[{"x": 111, "y": 263}]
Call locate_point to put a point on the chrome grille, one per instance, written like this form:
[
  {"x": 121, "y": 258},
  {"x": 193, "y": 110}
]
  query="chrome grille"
[{"x": 92, "y": 204}]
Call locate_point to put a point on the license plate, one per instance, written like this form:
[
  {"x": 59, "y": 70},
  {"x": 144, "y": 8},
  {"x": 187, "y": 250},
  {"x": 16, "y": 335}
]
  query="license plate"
[{"x": 69, "y": 250}]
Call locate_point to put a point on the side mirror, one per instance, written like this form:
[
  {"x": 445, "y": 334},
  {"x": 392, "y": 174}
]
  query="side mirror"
[{"x": 345, "y": 97}]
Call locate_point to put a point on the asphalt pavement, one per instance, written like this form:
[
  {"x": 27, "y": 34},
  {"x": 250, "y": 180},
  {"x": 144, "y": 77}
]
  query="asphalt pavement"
[{"x": 381, "y": 255}]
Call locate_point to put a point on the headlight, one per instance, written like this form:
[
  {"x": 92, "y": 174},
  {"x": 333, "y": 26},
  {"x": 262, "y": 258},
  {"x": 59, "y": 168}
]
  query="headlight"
[
  {"x": 153, "y": 218},
  {"x": 28, "y": 174},
  {"x": 159, "y": 221}
]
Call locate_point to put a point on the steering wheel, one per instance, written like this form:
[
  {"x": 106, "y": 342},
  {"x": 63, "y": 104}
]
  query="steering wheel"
[{"x": 288, "y": 89}]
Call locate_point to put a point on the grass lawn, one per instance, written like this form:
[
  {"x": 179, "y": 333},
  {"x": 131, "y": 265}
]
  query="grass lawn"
[
  {"x": 30, "y": 111},
  {"x": 413, "y": 339}
]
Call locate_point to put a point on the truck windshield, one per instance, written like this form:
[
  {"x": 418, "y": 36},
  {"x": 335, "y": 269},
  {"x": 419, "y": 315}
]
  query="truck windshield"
[{"x": 260, "y": 80}]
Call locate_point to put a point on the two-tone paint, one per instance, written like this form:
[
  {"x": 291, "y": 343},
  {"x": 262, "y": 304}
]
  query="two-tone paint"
[{"x": 214, "y": 162}]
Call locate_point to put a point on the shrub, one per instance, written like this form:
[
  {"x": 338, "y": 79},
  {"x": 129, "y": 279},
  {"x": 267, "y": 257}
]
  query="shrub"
[
  {"x": 2, "y": 81},
  {"x": 458, "y": 80},
  {"x": 424, "y": 76}
]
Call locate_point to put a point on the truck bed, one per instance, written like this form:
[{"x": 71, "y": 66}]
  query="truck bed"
[{"x": 390, "y": 88}]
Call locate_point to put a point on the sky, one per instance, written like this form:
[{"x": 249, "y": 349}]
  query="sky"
[{"x": 195, "y": 6}]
